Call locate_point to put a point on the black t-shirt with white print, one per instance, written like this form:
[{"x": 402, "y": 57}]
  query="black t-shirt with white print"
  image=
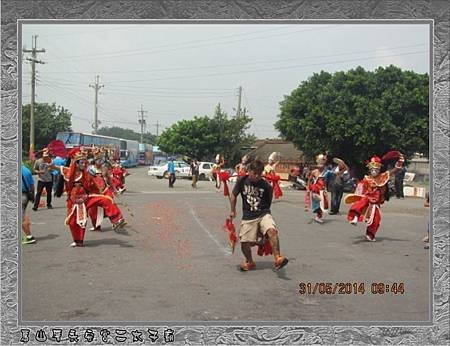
[{"x": 256, "y": 197}]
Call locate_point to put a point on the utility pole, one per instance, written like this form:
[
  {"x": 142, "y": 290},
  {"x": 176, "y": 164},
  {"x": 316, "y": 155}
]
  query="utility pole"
[
  {"x": 142, "y": 122},
  {"x": 157, "y": 128},
  {"x": 238, "y": 112},
  {"x": 96, "y": 87},
  {"x": 34, "y": 61}
]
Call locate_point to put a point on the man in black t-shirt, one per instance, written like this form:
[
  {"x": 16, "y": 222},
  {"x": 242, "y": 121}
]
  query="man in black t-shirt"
[
  {"x": 257, "y": 220},
  {"x": 195, "y": 167}
]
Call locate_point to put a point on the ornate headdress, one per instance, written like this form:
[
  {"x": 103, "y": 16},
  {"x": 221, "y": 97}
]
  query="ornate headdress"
[
  {"x": 375, "y": 162},
  {"x": 275, "y": 156},
  {"x": 78, "y": 154},
  {"x": 98, "y": 153}
]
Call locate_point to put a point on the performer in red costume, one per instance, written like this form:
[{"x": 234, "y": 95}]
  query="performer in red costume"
[
  {"x": 216, "y": 169},
  {"x": 118, "y": 175},
  {"x": 79, "y": 200},
  {"x": 316, "y": 188},
  {"x": 271, "y": 176},
  {"x": 241, "y": 168},
  {"x": 366, "y": 207},
  {"x": 101, "y": 184}
]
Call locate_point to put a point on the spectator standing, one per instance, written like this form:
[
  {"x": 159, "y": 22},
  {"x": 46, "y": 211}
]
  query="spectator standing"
[
  {"x": 195, "y": 171},
  {"x": 336, "y": 186},
  {"x": 171, "y": 169},
  {"x": 43, "y": 167},
  {"x": 399, "y": 176},
  {"x": 58, "y": 161},
  {"x": 27, "y": 195}
]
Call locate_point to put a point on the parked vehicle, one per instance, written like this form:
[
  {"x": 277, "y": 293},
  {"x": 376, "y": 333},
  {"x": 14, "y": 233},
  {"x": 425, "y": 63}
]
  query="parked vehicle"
[
  {"x": 182, "y": 170},
  {"x": 205, "y": 170},
  {"x": 129, "y": 153},
  {"x": 76, "y": 139},
  {"x": 145, "y": 156}
]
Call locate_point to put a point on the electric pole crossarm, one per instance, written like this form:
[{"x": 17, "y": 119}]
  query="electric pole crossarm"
[
  {"x": 142, "y": 122},
  {"x": 96, "y": 88}
]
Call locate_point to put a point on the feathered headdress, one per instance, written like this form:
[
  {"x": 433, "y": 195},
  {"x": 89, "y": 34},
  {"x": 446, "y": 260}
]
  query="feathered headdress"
[{"x": 375, "y": 162}]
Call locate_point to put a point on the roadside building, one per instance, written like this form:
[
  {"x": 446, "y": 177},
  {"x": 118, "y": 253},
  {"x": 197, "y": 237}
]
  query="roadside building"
[{"x": 290, "y": 156}]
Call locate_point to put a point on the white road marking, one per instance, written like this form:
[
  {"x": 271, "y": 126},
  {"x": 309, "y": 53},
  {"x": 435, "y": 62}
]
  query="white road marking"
[{"x": 203, "y": 227}]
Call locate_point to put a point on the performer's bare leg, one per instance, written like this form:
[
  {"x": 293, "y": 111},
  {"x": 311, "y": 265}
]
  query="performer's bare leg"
[
  {"x": 280, "y": 261},
  {"x": 26, "y": 226},
  {"x": 274, "y": 242},
  {"x": 246, "y": 248}
]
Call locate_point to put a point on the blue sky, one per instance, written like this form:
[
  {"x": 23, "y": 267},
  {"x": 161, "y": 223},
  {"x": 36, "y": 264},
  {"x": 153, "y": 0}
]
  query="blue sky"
[{"x": 178, "y": 71}]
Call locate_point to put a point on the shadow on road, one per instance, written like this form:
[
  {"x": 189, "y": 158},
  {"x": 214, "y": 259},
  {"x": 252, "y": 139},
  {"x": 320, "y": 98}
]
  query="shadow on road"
[
  {"x": 110, "y": 241},
  {"x": 47, "y": 237},
  {"x": 268, "y": 266},
  {"x": 363, "y": 239},
  {"x": 122, "y": 231}
]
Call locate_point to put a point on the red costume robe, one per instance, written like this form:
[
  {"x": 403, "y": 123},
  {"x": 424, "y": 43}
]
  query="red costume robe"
[
  {"x": 99, "y": 186},
  {"x": 368, "y": 207},
  {"x": 79, "y": 201},
  {"x": 319, "y": 198},
  {"x": 118, "y": 177}
]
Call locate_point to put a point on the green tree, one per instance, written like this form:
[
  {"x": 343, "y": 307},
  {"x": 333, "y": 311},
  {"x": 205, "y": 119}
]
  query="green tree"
[
  {"x": 49, "y": 119},
  {"x": 120, "y": 132},
  {"x": 203, "y": 137},
  {"x": 356, "y": 114}
]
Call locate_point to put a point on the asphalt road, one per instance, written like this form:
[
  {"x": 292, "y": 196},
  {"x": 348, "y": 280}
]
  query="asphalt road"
[{"x": 172, "y": 263}]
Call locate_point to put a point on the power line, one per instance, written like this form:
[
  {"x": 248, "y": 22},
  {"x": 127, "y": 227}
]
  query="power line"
[
  {"x": 271, "y": 69},
  {"x": 131, "y": 88},
  {"x": 87, "y": 104},
  {"x": 258, "y": 62},
  {"x": 185, "y": 45},
  {"x": 90, "y": 32}
]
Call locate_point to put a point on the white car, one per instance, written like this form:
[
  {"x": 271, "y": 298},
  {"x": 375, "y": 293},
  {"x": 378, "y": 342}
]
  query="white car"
[
  {"x": 182, "y": 170},
  {"x": 205, "y": 170}
]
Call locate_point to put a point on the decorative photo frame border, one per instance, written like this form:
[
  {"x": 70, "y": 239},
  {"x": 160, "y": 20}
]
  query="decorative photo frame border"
[{"x": 15, "y": 332}]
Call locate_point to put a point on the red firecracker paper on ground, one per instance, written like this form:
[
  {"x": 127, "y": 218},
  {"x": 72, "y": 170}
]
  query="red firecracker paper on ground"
[{"x": 233, "y": 239}]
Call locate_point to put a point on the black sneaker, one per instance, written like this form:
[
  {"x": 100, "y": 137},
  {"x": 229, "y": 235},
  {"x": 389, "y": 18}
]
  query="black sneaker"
[
  {"x": 50, "y": 207},
  {"x": 35, "y": 208}
]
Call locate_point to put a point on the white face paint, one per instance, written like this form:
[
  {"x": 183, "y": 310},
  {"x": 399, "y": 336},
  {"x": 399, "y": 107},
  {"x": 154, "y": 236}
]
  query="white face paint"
[
  {"x": 81, "y": 164},
  {"x": 374, "y": 172}
]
